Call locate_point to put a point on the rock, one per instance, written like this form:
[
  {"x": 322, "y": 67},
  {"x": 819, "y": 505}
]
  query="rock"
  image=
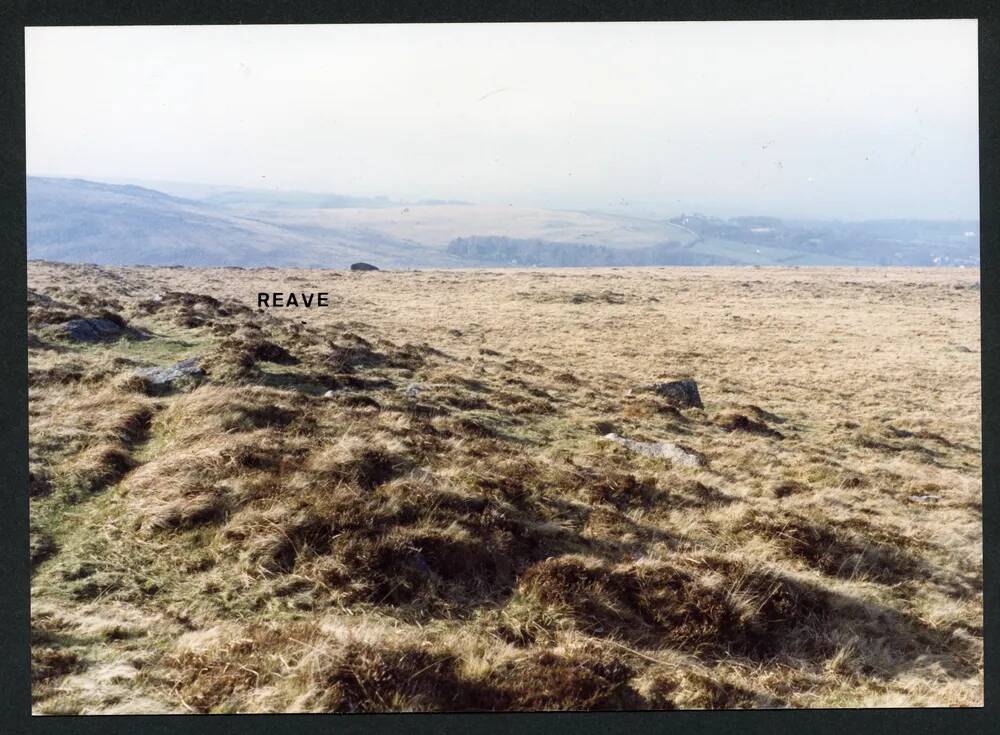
[
  {"x": 683, "y": 393},
  {"x": 36, "y": 298},
  {"x": 328, "y": 394},
  {"x": 659, "y": 450},
  {"x": 924, "y": 498},
  {"x": 363, "y": 267},
  {"x": 163, "y": 377},
  {"x": 91, "y": 330}
]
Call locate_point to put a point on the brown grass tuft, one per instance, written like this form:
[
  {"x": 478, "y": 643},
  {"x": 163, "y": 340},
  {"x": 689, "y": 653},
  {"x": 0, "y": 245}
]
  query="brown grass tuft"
[{"x": 634, "y": 600}]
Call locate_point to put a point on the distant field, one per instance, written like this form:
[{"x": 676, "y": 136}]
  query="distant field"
[
  {"x": 408, "y": 500},
  {"x": 436, "y": 226},
  {"x": 763, "y": 254}
]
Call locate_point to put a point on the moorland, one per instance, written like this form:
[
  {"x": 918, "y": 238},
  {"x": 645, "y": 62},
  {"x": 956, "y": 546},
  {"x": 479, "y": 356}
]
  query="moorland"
[{"x": 469, "y": 489}]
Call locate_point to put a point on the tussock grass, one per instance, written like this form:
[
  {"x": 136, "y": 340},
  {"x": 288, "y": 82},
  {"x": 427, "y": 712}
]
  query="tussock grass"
[{"x": 405, "y": 504}]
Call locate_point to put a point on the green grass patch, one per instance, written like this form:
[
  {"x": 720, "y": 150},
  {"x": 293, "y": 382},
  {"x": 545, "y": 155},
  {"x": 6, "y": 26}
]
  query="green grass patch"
[{"x": 159, "y": 350}]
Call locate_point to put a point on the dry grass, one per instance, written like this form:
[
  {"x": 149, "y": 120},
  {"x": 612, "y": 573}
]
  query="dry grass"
[{"x": 404, "y": 501}]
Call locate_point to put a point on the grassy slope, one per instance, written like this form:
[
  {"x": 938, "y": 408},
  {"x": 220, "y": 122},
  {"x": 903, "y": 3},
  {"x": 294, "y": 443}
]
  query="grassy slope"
[
  {"x": 469, "y": 542},
  {"x": 751, "y": 254}
]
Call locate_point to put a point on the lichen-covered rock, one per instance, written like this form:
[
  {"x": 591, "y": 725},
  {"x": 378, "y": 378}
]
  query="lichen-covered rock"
[
  {"x": 164, "y": 377},
  {"x": 659, "y": 450}
]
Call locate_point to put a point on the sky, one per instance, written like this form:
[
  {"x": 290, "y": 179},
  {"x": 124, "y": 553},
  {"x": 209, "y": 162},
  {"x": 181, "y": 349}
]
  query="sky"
[{"x": 827, "y": 119}]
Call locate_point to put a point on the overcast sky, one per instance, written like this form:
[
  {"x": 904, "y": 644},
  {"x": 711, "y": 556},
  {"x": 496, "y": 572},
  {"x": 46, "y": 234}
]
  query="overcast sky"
[{"x": 850, "y": 119}]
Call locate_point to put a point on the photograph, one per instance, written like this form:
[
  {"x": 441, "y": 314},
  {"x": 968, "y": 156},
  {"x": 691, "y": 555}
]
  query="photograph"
[{"x": 503, "y": 367}]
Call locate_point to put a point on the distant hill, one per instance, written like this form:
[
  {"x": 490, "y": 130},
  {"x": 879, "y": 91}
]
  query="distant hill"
[
  {"x": 768, "y": 240},
  {"x": 255, "y": 197},
  {"x": 83, "y": 221},
  {"x": 75, "y": 220}
]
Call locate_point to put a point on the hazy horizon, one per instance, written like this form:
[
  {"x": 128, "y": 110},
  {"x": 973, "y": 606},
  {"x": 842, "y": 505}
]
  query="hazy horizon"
[
  {"x": 197, "y": 191},
  {"x": 848, "y": 120}
]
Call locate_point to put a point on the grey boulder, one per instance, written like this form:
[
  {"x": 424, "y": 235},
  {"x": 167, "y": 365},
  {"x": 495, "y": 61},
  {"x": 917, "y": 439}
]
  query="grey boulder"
[
  {"x": 91, "y": 330},
  {"x": 165, "y": 376},
  {"x": 683, "y": 393},
  {"x": 659, "y": 450}
]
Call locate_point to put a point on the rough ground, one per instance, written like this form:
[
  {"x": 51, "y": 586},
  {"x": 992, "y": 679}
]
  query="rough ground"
[{"x": 406, "y": 501}]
